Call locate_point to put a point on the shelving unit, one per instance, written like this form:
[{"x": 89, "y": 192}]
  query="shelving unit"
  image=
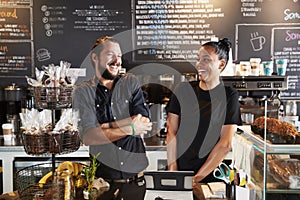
[{"x": 52, "y": 143}]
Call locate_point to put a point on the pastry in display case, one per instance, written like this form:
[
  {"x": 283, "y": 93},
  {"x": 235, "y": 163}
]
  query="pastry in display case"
[
  {"x": 272, "y": 145},
  {"x": 278, "y": 132}
]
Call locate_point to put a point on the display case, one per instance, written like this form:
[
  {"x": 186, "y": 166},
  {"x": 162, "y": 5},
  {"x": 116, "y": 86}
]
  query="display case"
[{"x": 274, "y": 169}]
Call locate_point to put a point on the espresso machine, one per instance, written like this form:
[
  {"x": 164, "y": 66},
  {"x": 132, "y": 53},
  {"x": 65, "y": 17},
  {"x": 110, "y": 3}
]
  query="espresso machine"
[
  {"x": 157, "y": 93},
  {"x": 254, "y": 91},
  {"x": 13, "y": 99}
]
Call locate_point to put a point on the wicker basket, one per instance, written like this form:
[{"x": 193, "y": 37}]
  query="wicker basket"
[
  {"x": 27, "y": 183},
  {"x": 36, "y": 144},
  {"x": 27, "y": 179},
  {"x": 63, "y": 142},
  {"x": 51, "y": 142},
  {"x": 53, "y": 97}
]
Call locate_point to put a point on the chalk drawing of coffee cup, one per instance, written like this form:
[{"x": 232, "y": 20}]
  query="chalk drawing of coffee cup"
[{"x": 257, "y": 41}]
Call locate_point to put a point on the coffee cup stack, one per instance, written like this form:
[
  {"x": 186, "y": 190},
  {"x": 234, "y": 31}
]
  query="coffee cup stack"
[{"x": 7, "y": 131}]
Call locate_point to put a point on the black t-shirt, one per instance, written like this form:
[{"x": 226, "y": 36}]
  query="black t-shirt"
[{"x": 202, "y": 115}]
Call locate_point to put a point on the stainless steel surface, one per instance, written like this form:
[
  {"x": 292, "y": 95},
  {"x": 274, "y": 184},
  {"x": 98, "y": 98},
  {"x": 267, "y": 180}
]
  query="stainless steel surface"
[
  {"x": 12, "y": 97},
  {"x": 154, "y": 143},
  {"x": 12, "y": 93},
  {"x": 256, "y": 82},
  {"x": 159, "y": 117}
]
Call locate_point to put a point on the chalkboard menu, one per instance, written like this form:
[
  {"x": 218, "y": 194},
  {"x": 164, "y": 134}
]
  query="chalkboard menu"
[
  {"x": 16, "y": 58},
  {"x": 258, "y": 40},
  {"x": 16, "y": 46},
  {"x": 156, "y": 31},
  {"x": 66, "y": 30},
  {"x": 288, "y": 48},
  {"x": 15, "y": 23},
  {"x": 173, "y": 30}
]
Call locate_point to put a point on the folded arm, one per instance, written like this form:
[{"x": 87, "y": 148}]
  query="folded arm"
[{"x": 103, "y": 134}]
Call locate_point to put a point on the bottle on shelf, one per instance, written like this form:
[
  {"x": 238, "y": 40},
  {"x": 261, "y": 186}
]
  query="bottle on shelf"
[
  {"x": 291, "y": 108},
  {"x": 281, "y": 112}
]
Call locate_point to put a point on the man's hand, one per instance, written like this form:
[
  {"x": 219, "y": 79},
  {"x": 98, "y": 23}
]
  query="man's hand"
[
  {"x": 142, "y": 124},
  {"x": 104, "y": 125}
]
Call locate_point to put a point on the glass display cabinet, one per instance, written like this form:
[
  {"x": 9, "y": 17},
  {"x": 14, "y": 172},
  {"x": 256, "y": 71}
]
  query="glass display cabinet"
[{"x": 269, "y": 152}]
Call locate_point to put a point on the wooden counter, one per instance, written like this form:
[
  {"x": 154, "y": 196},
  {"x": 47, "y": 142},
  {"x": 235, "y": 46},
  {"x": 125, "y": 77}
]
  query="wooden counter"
[
  {"x": 155, "y": 148},
  {"x": 155, "y": 151},
  {"x": 197, "y": 192}
]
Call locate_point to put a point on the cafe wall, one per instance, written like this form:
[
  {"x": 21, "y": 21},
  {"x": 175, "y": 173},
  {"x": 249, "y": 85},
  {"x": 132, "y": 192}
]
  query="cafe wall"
[{"x": 169, "y": 32}]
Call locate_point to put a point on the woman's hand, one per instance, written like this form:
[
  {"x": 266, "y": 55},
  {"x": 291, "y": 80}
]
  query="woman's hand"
[{"x": 197, "y": 178}]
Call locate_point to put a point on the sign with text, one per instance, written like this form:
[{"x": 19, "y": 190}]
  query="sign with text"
[
  {"x": 16, "y": 59},
  {"x": 15, "y": 23},
  {"x": 288, "y": 48}
]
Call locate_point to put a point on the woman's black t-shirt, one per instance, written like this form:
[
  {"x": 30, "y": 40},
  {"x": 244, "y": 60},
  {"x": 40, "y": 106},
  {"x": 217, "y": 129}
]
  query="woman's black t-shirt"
[{"x": 202, "y": 115}]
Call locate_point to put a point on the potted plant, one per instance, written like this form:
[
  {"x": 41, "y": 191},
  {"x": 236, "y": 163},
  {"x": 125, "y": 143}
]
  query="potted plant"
[{"x": 90, "y": 173}]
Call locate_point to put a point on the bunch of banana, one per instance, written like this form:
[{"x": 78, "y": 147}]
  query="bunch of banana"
[
  {"x": 45, "y": 178},
  {"x": 72, "y": 167}
]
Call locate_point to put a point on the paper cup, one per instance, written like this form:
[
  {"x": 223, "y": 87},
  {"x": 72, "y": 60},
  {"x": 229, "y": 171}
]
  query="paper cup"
[
  {"x": 281, "y": 65},
  {"x": 254, "y": 63},
  {"x": 244, "y": 68},
  {"x": 268, "y": 68},
  {"x": 7, "y": 131}
]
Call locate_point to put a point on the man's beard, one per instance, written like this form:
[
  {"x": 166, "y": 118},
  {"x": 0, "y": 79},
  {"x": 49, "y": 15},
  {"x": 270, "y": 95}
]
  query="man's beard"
[{"x": 107, "y": 75}]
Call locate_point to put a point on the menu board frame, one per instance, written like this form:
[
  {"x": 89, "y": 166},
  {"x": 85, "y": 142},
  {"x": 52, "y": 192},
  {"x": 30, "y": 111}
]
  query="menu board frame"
[
  {"x": 265, "y": 54},
  {"x": 17, "y": 40},
  {"x": 17, "y": 58},
  {"x": 292, "y": 53}
]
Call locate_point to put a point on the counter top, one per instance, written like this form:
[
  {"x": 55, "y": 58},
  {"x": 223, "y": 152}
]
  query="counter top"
[
  {"x": 15, "y": 149},
  {"x": 155, "y": 150},
  {"x": 152, "y": 143},
  {"x": 197, "y": 192}
]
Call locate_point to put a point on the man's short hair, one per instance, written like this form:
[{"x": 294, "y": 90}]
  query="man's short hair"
[{"x": 98, "y": 46}]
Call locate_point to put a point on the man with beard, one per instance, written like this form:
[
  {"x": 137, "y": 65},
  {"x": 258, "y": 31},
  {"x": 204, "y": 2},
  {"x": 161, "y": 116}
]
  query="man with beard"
[{"x": 113, "y": 115}]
